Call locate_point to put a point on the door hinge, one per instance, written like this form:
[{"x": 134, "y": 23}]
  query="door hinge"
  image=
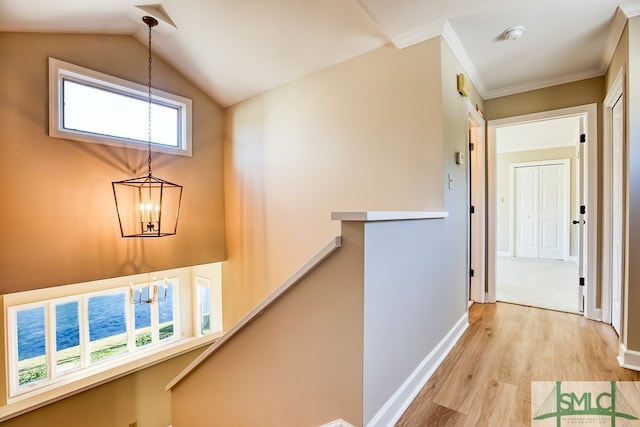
[
  {"x": 471, "y": 272},
  {"x": 472, "y": 146},
  {"x": 472, "y": 209},
  {"x": 583, "y": 209},
  {"x": 582, "y": 281},
  {"x": 583, "y": 138}
]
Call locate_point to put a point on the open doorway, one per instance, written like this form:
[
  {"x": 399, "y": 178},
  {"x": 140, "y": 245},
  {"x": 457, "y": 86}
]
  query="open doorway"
[{"x": 537, "y": 248}]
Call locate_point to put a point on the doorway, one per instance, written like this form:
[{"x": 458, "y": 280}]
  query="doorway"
[{"x": 519, "y": 231}]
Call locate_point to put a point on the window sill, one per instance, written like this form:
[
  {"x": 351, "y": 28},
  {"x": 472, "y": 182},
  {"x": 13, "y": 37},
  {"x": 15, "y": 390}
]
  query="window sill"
[{"x": 100, "y": 374}]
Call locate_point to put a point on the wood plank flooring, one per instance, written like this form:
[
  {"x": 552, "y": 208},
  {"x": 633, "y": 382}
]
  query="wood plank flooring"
[{"x": 486, "y": 379}]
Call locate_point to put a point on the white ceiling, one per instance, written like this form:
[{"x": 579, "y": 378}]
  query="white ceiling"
[{"x": 236, "y": 49}]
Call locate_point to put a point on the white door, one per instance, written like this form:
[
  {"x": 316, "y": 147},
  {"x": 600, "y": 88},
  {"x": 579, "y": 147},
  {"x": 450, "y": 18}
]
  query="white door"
[
  {"x": 616, "y": 208},
  {"x": 526, "y": 211},
  {"x": 551, "y": 212},
  {"x": 541, "y": 207}
]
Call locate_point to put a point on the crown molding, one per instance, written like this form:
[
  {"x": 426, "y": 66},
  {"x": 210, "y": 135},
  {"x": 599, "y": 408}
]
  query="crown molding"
[
  {"x": 419, "y": 35},
  {"x": 461, "y": 55},
  {"x": 443, "y": 29},
  {"x": 630, "y": 8}
]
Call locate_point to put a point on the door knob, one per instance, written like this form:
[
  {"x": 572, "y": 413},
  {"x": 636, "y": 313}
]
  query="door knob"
[{"x": 575, "y": 221}]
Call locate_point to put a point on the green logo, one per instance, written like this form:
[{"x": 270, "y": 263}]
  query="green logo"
[{"x": 585, "y": 404}]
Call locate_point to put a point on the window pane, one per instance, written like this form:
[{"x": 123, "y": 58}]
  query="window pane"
[
  {"x": 99, "y": 111},
  {"x": 32, "y": 363},
  {"x": 165, "y": 311},
  {"x": 67, "y": 336},
  {"x": 142, "y": 318},
  {"x": 204, "y": 296},
  {"x": 107, "y": 326}
]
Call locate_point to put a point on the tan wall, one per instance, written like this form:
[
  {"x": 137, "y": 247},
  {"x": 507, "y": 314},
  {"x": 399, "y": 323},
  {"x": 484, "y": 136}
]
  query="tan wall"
[
  {"x": 299, "y": 364},
  {"x": 137, "y": 397},
  {"x": 582, "y": 92},
  {"x": 58, "y": 207},
  {"x": 60, "y": 220},
  {"x": 503, "y": 162},
  {"x": 362, "y": 135}
]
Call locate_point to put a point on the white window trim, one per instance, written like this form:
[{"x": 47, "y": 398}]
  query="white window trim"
[
  {"x": 80, "y": 379},
  {"x": 86, "y": 365},
  {"x": 60, "y": 70}
]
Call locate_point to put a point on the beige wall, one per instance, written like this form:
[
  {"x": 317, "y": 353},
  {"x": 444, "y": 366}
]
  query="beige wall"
[
  {"x": 362, "y": 135},
  {"x": 60, "y": 219},
  {"x": 58, "y": 207},
  {"x": 300, "y": 363},
  {"x": 582, "y": 92},
  {"x": 137, "y": 397},
  {"x": 503, "y": 162}
]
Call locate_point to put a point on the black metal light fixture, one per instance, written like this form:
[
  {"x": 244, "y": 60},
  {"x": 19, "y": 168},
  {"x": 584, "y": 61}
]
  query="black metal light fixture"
[{"x": 147, "y": 206}]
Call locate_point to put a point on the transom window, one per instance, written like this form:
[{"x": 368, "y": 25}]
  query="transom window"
[{"x": 86, "y": 105}]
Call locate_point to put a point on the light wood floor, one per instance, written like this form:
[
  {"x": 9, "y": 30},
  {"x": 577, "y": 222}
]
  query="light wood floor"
[{"x": 486, "y": 379}]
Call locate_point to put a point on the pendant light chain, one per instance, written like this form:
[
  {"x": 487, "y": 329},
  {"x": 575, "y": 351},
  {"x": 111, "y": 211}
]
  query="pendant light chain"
[
  {"x": 149, "y": 112},
  {"x": 147, "y": 206}
]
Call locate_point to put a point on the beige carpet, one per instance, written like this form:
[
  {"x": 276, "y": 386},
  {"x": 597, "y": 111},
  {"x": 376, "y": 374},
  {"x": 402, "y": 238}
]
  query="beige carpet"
[{"x": 538, "y": 282}]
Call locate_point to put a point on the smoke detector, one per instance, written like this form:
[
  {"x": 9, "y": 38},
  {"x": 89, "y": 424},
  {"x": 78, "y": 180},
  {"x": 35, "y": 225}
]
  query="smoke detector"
[{"x": 513, "y": 33}]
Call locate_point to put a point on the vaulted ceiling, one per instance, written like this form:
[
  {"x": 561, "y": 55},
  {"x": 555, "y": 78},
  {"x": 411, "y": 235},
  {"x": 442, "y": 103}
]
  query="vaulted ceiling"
[{"x": 236, "y": 49}]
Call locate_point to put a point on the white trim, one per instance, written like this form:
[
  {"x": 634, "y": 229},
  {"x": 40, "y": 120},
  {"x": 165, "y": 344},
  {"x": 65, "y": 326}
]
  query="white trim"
[
  {"x": 393, "y": 409},
  {"x": 444, "y": 29},
  {"x": 20, "y": 405},
  {"x": 331, "y": 247},
  {"x": 592, "y": 201},
  {"x": 630, "y": 8},
  {"x": 477, "y": 221},
  {"x": 614, "y": 93},
  {"x": 60, "y": 70},
  {"x": 451, "y": 38},
  {"x": 386, "y": 215},
  {"x": 337, "y": 423},
  {"x": 420, "y": 34},
  {"x": 565, "y": 215},
  {"x": 629, "y": 359},
  {"x": 504, "y": 253}
]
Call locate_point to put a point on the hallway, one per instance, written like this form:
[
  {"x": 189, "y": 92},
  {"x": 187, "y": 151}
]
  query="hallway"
[{"x": 486, "y": 379}]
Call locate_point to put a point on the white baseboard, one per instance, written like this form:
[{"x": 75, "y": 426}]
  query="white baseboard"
[
  {"x": 573, "y": 259},
  {"x": 628, "y": 358},
  {"x": 503, "y": 253},
  {"x": 337, "y": 423},
  {"x": 393, "y": 409}
]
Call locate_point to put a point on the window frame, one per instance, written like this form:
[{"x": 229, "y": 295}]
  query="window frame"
[
  {"x": 86, "y": 364},
  {"x": 60, "y": 71}
]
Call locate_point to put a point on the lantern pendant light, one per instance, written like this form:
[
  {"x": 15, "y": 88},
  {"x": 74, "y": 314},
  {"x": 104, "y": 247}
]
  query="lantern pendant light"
[{"x": 147, "y": 206}]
